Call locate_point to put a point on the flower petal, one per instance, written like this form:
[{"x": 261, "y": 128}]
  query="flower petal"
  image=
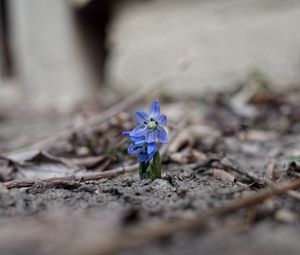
[
  {"x": 150, "y": 136},
  {"x": 154, "y": 110},
  {"x": 141, "y": 117},
  {"x": 162, "y": 135},
  {"x": 133, "y": 149},
  {"x": 162, "y": 120},
  {"x": 151, "y": 148},
  {"x": 126, "y": 133},
  {"x": 143, "y": 158},
  {"x": 137, "y": 140},
  {"x": 139, "y": 130}
]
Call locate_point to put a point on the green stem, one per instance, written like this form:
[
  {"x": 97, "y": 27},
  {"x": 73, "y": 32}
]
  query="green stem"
[
  {"x": 156, "y": 167},
  {"x": 143, "y": 170},
  {"x": 151, "y": 170}
]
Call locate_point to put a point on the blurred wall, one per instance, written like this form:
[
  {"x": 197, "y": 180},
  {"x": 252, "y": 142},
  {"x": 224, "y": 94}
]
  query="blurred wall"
[
  {"x": 229, "y": 39},
  {"x": 50, "y": 62},
  {"x": 52, "y": 44}
]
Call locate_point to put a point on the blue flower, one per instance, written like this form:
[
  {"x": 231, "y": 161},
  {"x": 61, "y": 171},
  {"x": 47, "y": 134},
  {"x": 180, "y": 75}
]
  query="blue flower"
[
  {"x": 144, "y": 151},
  {"x": 151, "y": 124}
]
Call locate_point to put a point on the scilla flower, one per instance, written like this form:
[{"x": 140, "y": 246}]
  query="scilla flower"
[
  {"x": 151, "y": 124},
  {"x": 144, "y": 138},
  {"x": 144, "y": 151}
]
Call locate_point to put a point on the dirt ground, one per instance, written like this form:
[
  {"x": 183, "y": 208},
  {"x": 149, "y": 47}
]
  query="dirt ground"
[{"x": 235, "y": 148}]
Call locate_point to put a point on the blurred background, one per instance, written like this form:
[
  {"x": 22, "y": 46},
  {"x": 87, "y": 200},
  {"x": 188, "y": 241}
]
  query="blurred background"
[
  {"x": 58, "y": 54},
  {"x": 61, "y": 52}
]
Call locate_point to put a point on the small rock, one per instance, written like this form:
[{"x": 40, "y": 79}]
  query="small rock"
[
  {"x": 182, "y": 192},
  {"x": 285, "y": 216},
  {"x": 127, "y": 182},
  {"x": 161, "y": 184},
  {"x": 186, "y": 175},
  {"x": 82, "y": 151}
]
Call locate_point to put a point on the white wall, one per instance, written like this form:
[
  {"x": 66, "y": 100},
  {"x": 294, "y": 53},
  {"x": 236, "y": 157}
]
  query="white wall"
[
  {"x": 49, "y": 60},
  {"x": 229, "y": 38}
]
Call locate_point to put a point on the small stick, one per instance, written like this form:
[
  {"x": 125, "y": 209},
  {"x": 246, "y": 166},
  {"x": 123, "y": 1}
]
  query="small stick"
[
  {"x": 227, "y": 165},
  {"x": 88, "y": 177}
]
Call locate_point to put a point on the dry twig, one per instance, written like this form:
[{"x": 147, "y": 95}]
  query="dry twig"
[
  {"x": 88, "y": 177},
  {"x": 229, "y": 166}
]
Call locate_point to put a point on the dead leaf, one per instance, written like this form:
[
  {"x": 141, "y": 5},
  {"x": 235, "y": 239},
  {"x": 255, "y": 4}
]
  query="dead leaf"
[
  {"x": 201, "y": 131},
  {"x": 198, "y": 155},
  {"x": 184, "y": 138},
  {"x": 223, "y": 175},
  {"x": 86, "y": 161},
  {"x": 178, "y": 157},
  {"x": 188, "y": 155},
  {"x": 285, "y": 216},
  {"x": 43, "y": 171},
  {"x": 33, "y": 155},
  {"x": 239, "y": 103},
  {"x": 35, "y": 164},
  {"x": 260, "y": 135}
]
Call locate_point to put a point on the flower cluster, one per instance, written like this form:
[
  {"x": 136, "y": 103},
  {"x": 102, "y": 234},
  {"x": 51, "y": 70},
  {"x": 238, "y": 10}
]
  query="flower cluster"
[{"x": 147, "y": 133}]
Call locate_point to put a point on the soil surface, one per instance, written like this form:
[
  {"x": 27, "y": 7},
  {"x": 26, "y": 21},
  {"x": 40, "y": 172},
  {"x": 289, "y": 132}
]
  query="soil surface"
[{"x": 232, "y": 155}]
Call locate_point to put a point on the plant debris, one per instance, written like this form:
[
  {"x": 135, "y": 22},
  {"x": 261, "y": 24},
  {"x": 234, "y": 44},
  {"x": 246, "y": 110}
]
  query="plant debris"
[{"x": 230, "y": 179}]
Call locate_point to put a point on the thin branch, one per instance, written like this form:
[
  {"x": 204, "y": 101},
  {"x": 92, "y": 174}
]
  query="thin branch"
[
  {"x": 228, "y": 165},
  {"x": 88, "y": 177}
]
